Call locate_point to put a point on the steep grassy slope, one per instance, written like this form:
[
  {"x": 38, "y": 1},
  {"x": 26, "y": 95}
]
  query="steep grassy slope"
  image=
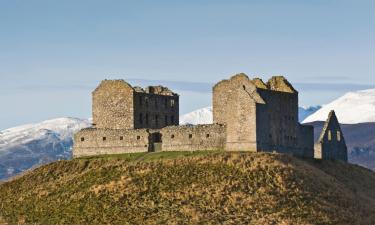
[{"x": 201, "y": 188}]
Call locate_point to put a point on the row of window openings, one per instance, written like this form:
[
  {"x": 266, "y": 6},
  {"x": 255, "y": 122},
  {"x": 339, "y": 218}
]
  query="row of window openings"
[
  {"x": 289, "y": 118},
  {"x": 172, "y": 102},
  {"x": 190, "y": 136},
  {"x": 105, "y": 138},
  {"x": 286, "y": 137},
  {"x": 338, "y": 135},
  {"x": 156, "y": 117},
  {"x": 139, "y": 137}
]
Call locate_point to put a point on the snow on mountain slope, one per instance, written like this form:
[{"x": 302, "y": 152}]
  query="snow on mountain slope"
[
  {"x": 204, "y": 115},
  {"x": 25, "y": 146},
  {"x": 200, "y": 116},
  {"x": 63, "y": 127},
  {"x": 351, "y": 108},
  {"x": 304, "y": 112}
]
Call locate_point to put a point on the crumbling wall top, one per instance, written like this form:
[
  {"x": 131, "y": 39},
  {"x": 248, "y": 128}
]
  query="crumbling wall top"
[
  {"x": 158, "y": 90},
  {"x": 240, "y": 82},
  {"x": 280, "y": 83},
  {"x": 237, "y": 77},
  {"x": 113, "y": 83},
  {"x": 259, "y": 83}
]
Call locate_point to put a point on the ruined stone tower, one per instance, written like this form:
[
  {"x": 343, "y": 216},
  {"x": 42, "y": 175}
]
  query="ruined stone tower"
[
  {"x": 261, "y": 116},
  {"x": 118, "y": 105},
  {"x": 331, "y": 143}
]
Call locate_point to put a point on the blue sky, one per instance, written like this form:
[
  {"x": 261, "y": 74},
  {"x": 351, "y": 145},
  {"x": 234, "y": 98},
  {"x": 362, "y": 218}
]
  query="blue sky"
[{"x": 53, "y": 53}]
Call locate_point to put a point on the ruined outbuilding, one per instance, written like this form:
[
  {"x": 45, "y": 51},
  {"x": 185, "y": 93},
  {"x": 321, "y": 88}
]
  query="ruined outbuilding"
[
  {"x": 249, "y": 115},
  {"x": 331, "y": 143}
]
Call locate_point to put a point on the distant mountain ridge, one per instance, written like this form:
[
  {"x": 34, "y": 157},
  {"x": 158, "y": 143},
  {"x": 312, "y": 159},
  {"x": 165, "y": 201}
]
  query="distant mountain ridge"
[
  {"x": 29, "y": 145},
  {"x": 352, "y": 108}
]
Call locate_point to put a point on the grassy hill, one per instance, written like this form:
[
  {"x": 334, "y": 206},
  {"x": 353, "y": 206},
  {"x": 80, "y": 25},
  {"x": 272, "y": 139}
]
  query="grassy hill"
[{"x": 199, "y": 188}]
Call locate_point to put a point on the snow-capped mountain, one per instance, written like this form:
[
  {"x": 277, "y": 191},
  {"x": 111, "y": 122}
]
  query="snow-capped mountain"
[
  {"x": 304, "y": 112},
  {"x": 200, "y": 116},
  {"x": 351, "y": 108},
  {"x": 204, "y": 115},
  {"x": 29, "y": 145}
]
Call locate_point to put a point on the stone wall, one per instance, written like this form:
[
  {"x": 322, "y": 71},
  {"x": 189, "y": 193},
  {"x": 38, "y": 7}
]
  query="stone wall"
[
  {"x": 93, "y": 141},
  {"x": 234, "y": 104},
  {"x": 331, "y": 143},
  {"x": 193, "y": 138},
  {"x": 305, "y": 141},
  {"x": 277, "y": 120},
  {"x": 155, "y": 111},
  {"x": 112, "y": 105}
]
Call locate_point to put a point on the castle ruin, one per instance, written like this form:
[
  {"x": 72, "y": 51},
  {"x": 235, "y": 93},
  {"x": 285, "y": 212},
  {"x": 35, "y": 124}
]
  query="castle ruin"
[
  {"x": 249, "y": 115},
  {"x": 331, "y": 143}
]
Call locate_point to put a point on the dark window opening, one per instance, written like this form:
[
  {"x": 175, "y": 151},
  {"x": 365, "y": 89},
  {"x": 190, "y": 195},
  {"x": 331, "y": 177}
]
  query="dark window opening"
[
  {"x": 140, "y": 100},
  {"x": 172, "y": 136},
  {"x": 166, "y": 120},
  {"x": 244, "y": 87},
  {"x": 165, "y": 103},
  {"x": 138, "y": 137},
  {"x": 146, "y": 101},
  {"x": 207, "y": 135},
  {"x": 156, "y": 120},
  {"x": 172, "y": 119},
  {"x": 104, "y": 138},
  {"x": 172, "y": 103},
  {"x": 147, "y": 119},
  {"x": 121, "y": 138},
  {"x": 82, "y": 139},
  {"x": 141, "y": 118},
  {"x": 190, "y": 136}
]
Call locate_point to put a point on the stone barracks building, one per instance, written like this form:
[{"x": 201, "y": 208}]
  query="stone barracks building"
[{"x": 249, "y": 115}]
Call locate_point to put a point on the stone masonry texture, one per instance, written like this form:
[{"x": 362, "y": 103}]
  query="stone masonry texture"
[
  {"x": 331, "y": 143},
  {"x": 249, "y": 115}
]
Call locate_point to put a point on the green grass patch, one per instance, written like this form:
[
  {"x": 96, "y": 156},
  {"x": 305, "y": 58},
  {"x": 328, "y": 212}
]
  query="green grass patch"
[{"x": 150, "y": 156}]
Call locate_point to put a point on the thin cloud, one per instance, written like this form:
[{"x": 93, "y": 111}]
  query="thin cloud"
[{"x": 200, "y": 87}]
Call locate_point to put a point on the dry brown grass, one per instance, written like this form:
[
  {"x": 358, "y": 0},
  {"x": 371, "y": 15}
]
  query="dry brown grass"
[{"x": 217, "y": 188}]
